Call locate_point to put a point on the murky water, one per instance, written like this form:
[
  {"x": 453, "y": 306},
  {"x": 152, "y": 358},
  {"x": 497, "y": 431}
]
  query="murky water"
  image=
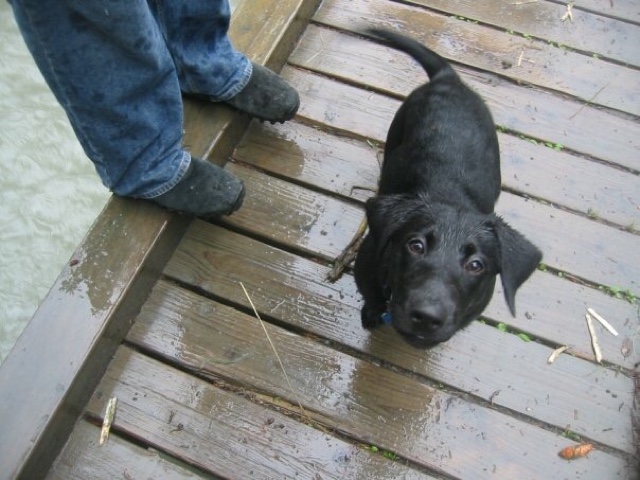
[{"x": 49, "y": 191}]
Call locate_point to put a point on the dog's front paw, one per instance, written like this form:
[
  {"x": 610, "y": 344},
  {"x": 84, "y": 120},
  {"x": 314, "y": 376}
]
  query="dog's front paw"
[{"x": 372, "y": 316}]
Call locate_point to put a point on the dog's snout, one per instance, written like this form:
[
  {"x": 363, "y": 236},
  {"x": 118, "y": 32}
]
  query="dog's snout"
[{"x": 429, "y": 318}]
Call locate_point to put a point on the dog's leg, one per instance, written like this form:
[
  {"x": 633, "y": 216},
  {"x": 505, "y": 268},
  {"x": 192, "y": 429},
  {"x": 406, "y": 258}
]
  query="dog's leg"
[
  {"x": 367, "y": 276},
  {"x": 372, "y": 316}
]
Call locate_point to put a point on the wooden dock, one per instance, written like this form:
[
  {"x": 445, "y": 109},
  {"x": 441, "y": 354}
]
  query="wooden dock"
[{"x": 232, "y": 356}]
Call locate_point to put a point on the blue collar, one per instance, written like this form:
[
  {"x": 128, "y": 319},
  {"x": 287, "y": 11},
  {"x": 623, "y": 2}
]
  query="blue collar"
[{"x": 385, "y": 317}]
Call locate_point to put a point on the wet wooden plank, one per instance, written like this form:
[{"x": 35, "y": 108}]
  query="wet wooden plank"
[
  {"x": 351, "y": 110},
  {"x": 223, "y": 433},
  {"x": 359, "y": 398},
  {"x": 626, "y": 10},
  {"x": 318, "y": 224},
  {"x": 266, "y": 29},
  {"x": 588, "y": 32},
  {"x": 308, "y": 155},
  {"x": 294, "y": 291},
  {"x": 342, "y": 109},
  {"x": 585, "y": 77},
  {"x": 323, "y": 225},
  {"x": 532, "y": 112},
  {"x": 84, "y": 459},
  {"x": 552, "y": 309},
  {"x": 574, "y": 244},
  {"x": 350, "y": 168},
  {"x": 597, "y": 191}
]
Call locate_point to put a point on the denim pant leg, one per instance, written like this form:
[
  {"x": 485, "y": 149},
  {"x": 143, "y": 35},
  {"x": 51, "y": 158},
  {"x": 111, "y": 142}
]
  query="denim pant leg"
[
  {"x": 196, "y": 35},
  {"x": 109, "y": 67}
]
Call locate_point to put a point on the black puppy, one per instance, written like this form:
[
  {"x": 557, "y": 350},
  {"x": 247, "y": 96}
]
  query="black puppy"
[{"x": 429, "y": 262}]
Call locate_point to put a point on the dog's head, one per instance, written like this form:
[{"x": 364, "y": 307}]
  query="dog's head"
[{"x": 438, "y": 264}]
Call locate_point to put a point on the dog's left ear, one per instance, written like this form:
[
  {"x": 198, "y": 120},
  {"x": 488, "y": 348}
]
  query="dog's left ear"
[
  {"x": 387, "y": 213},
  {"x": 518, "y": 260}
]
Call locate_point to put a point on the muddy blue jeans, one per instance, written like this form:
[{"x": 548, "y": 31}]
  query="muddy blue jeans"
[{"x": 118, "y": 68}]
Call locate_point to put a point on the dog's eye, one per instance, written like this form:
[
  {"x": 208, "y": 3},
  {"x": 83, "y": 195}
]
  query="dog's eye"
[
  {"x": 416, "y": 246},
  {"x": 474, "y": 266}
]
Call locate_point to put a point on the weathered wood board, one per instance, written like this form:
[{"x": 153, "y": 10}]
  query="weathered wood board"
[
  {"x": 221, "y": 432},
  {"x": 353, "y": 396},
  {"x": 295, "y": 291},
  {"x": 117, "y": 458}
]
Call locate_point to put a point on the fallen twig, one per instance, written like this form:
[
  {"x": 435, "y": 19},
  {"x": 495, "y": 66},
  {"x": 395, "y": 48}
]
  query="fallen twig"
[
  {"x": 349, "y": 253},
  {"x": 594, "y": 338},
  {"x": 556, "y": 353},
  {"x": 109, "y": 414},
  {"x": 264, "y": 328},
  {"x": 604, "y": 323},
  {"x": 569, "y": 13}
]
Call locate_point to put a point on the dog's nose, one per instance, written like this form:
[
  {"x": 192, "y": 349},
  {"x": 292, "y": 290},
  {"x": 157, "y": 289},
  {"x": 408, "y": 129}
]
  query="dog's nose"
[{"x": 429, "y": 318}]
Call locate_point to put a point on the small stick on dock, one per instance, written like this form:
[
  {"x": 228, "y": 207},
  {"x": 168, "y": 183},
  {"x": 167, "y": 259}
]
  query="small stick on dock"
[
  {"x": 594, "y": 338},
  {"x": 556, "y": 353},
  {"x": 348, "y": 254},
  {"x": 569, "y": 13},
  {"x": 604, "y": 323},
  {"x": 109, "y": 414}
]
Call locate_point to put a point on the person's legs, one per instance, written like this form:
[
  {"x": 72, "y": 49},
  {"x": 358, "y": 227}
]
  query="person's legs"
[
  {"x": 108, "y": 65},
  {"x": 195, "y": 32},
  {"x": 208, "y": 65}
]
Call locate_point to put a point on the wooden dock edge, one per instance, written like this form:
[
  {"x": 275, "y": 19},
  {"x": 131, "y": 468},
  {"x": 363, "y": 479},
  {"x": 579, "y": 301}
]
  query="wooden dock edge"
[{"x": 47, "y": 378}]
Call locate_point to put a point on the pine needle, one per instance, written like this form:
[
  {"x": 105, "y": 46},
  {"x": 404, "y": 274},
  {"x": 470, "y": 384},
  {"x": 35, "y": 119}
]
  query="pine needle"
[
  {"x": 273, "y": 347},
  {"x": 588, "y": 102}
]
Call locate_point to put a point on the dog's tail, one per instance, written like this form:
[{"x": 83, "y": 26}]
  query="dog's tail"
[{"x": 433, "y": 63}]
